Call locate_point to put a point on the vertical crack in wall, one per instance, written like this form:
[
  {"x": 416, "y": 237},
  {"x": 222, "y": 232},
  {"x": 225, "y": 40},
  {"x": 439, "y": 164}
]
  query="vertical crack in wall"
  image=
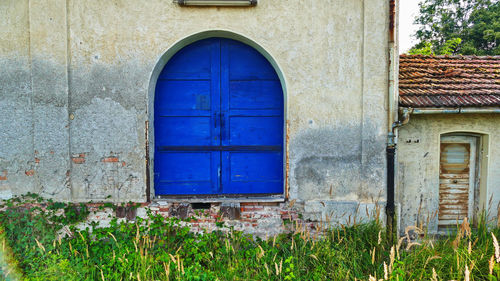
[{"x": 68, "y": 78}]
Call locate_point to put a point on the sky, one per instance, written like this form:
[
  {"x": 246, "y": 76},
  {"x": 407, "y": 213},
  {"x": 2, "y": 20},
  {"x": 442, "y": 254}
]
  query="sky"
[{"x": 408, "y": 9}]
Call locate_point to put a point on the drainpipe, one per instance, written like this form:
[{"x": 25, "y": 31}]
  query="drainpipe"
[
  {"x": 391, "y": 153},
  {"x": 391, "y": 125}
]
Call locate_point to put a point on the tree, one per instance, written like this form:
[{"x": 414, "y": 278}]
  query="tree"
[{"x": 458, "y": 27}]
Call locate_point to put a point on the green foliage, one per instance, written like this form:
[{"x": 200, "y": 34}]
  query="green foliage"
[
  {"x": 156, "y": 248},
  {"x": 426, "y": 50},
  {"x": 476, "y": 22}
]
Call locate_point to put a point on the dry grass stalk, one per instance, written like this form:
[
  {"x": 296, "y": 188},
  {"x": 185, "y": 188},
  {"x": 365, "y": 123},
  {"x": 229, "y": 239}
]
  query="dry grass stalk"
[
  {"x": 464, "y": 231},
  {"x": 467, "y": 273},
  {"x": 491, "y": 264},
  {"x": 373, "y": 256},
  {"x": 267, "y": 268},
  {"x": 386, "y": 273},
  {"x": 398, "y": 246},
  {"x": 40, "y": 245},
  {"x": 434, "y": 275},
  {"x": 429, "y": 259},
  {"x": 410, "y": 228},
  {"x": 497, "y": 248},
  {"x": 408, "y": 247},
  {"x": 498, "y": 216},
  {"x": 261, "y": 253},
  {"x": 392, "y": 255}
]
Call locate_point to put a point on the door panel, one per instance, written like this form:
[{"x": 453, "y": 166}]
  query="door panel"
[
  {"x": 184, "y": 130},
  {"x": 252, "y": 172},
  {"x": 255, "y": 130},
  {"x": 456, "y": 179},
  {"x": 188, "y": 172},
  {"x": 194, "y": 95},
  {"x": 218, "y": 122},
  {"x": 187, "y": 95},
  {"x": 242, "y": 94},
  {"x": 253, "y": 117}
]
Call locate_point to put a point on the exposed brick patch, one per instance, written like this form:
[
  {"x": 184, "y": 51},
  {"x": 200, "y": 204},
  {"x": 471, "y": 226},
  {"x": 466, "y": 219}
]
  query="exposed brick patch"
[
  {"x": 111, "y": 159},
  {"x": 30, "y": 173},
  {"x": 78, "y": 158},
  {"x": 269, "y": 204},
  {"x": 37, "y": 160},
  {"x": 3, "y": 177},
  {"x": 124, "y": 164},
  {"x": 265, "y": 222},
  {"x": 252, "y": 208}
]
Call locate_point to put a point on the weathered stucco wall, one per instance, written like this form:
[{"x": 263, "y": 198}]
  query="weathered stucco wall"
[
  {"x": 418, "y": 159},
  {"x": 74, "y": 80}
]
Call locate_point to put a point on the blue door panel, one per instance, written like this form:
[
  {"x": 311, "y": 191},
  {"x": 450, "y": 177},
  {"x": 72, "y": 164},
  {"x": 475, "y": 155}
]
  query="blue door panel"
[
  {"x": 194, "y": 60},
  {"x": 255, "y": 166},
  {"x": 183, "y": 95},
  {"x": 255, "y": 95},
  {"x": 189, "y": 166},
  {"x": 252, "y": 172},
  {"x": 182, "y": 131},
  {"x": 218, "y": 122},
  {"x": 191, "y": 172},
  {"x": 251, "y": 130},
  {"x": 246, "y": 63}
]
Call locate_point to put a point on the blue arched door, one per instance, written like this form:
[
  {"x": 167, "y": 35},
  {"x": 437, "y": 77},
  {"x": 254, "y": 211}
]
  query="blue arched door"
[{"x": 218, "y": 122}]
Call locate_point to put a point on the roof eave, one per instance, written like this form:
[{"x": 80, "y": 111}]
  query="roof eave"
[{"x": 451, "y": 110}]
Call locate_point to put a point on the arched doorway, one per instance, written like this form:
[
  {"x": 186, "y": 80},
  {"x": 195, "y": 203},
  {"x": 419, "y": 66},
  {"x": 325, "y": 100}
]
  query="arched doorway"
[{"x": 218, "y": 122}]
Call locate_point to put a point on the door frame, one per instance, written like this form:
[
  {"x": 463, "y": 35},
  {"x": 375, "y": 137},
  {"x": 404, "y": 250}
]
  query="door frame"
[
  {"x": 149, "y": 126},
  {"x": 481, "y": 171}
]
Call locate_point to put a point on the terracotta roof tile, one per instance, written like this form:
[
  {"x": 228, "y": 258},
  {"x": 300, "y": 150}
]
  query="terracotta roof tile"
[{"x": 449, "y": 81}]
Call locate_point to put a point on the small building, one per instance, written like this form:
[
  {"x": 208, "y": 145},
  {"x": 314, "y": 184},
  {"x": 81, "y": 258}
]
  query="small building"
[{"x": 449, "y": 151}]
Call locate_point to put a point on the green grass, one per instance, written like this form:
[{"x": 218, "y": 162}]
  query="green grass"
[{"x": 160, "y": 249}]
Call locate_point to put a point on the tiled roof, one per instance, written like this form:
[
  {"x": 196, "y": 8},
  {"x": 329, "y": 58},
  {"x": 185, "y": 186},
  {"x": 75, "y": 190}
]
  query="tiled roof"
[{"x": 449, "y": 81}]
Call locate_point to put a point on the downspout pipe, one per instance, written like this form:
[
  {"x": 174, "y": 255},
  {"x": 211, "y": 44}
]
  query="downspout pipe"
[
  {"x": 392, "y": 113},
  {"x": 391, "y": 159}
]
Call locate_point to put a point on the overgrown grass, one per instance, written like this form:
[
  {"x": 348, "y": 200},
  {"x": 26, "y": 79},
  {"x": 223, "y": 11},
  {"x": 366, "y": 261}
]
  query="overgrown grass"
[{"x": 160, "y": 249}]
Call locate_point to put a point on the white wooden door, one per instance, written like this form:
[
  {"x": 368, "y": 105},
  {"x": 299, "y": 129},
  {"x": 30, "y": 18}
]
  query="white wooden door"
[{"x": 457, "y": 179}]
